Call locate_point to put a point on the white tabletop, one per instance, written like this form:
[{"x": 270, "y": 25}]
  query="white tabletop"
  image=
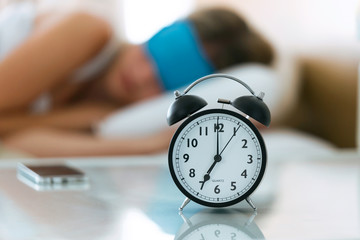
[{"x": 135, "y": 198}]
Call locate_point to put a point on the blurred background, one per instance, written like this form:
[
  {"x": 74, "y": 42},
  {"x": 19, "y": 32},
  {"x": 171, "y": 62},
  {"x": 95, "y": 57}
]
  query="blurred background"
[{"x": 317, "y": 46}]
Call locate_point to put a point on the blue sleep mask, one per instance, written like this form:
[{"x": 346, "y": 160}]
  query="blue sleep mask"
[{"x": 177, "y": 55}]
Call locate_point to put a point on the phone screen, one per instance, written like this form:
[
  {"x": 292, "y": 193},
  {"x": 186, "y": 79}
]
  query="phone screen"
[{"x": 54, "y": 170}]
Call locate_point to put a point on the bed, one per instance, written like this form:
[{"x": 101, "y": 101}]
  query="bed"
[{"x": 281, "y": 96}]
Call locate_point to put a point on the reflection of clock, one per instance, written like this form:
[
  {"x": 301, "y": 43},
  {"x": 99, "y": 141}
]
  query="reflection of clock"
[
  {"x": 217, "y": 157},
  {"x": 217, "y": 231},
  {"x": 213, "y": 225}
]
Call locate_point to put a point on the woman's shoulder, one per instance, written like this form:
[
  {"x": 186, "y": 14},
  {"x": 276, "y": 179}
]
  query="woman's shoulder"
[{"x": 95, "y": 15}]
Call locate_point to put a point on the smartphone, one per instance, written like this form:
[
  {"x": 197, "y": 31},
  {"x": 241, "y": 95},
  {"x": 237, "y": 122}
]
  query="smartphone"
[{"x": 50, "y": 176}]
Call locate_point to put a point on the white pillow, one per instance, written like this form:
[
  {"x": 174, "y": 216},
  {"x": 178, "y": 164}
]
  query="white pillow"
[
  {"x": 286, "y": 144},
  {"x": 148, "y": 117}
]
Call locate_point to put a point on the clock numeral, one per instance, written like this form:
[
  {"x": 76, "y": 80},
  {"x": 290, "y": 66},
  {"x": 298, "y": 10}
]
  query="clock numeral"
[
  {"x": 235, "y": 130},
  {"x": 233, "y": 236},
  {"x": 244, "y": 174},
  {"x": 217, "y": 233},
  {"x": 245, "y": 143},
  {"x": 193, "y": 142},
  {"x": 205, "y": 132},
  {"x": 192, "y": 172},
  {"x": 186, "y": 157},
  {"x": 218, "y": 127},
  {"x": 250, "y": 159},
  {"x": 233, "y": 186},
  {"x": 217, "y": 189}
]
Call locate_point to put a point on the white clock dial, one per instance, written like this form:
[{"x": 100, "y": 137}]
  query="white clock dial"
[{"x": 217, "y": 157}]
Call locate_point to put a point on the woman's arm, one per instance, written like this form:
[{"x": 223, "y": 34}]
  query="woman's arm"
[
  {"x": 48, "y": 57},
  {"x": 78, "y": 117},
  {"x": 53, "y": 143}
]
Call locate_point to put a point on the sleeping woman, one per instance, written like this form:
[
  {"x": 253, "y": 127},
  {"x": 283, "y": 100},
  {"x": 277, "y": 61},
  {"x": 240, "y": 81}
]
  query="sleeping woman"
[{"x": 69, "y": 72}]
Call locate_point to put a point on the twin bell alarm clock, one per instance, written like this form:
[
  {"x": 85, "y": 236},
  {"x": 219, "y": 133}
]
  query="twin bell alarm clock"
[{"x": 217, "y": 157}]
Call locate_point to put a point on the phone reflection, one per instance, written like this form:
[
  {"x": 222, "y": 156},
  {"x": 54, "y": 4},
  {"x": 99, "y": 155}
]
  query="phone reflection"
[
  {"x": 81, "y": 186},
  {"x": 219, "y": 224}
]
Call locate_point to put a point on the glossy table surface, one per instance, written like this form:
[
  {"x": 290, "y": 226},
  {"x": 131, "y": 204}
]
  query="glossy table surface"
[{"x": 135, "y": 198}]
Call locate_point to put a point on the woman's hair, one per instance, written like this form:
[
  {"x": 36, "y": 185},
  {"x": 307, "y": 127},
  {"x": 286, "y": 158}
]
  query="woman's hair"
[{"x": 228, "y": 40}]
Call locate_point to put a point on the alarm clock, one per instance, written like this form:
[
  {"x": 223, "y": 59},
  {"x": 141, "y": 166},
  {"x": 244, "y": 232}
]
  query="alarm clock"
[{"x": 217, "y": 157}]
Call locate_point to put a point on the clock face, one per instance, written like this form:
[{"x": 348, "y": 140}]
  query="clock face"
[{"x": 217, "y": 158}]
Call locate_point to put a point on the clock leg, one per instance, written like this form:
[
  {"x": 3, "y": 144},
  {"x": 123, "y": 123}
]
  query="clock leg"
[
  {"x": 186, "y": 201},
  {"x": 248, "y": 200},
  {"x": 251, "y": 219},
  {"x": 185, "y": 219}
]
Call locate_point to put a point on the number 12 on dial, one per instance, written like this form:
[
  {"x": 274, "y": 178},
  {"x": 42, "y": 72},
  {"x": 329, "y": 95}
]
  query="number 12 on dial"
[{"x": 217, "y": 158}]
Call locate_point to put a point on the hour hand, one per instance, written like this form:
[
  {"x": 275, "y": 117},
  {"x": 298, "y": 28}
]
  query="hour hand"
[
  {"x": 206, "y": 178},
  {"x": 217, "y": 159}
]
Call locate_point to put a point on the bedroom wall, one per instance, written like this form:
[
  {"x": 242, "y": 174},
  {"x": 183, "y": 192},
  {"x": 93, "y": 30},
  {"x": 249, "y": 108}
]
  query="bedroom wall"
[
  {"x": 318, "y": 40},
  {"x": 298, "y": 23}
]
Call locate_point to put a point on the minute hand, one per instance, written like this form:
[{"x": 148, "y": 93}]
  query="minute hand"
[{"x": 229, "y": 140}]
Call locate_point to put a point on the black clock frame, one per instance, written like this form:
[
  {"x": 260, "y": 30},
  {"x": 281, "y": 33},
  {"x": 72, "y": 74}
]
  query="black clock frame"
[{"x": 262, "y": 169}]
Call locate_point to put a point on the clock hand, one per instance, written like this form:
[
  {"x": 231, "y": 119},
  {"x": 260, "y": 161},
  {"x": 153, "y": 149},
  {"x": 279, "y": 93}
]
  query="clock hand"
[
  {"x": 206, "y": 178},
  {"x": 217, "y": 157},
  {"x": 229, "y": 140},
  {"x": 217, "y": 136}
]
